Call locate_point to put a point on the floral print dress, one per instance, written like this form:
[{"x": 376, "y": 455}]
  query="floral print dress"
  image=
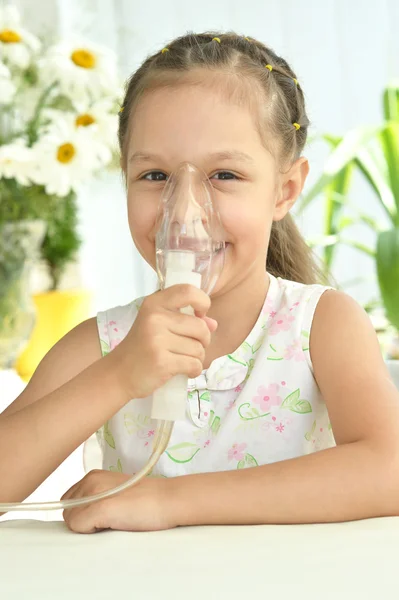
[{"x": 258, "y": 405}]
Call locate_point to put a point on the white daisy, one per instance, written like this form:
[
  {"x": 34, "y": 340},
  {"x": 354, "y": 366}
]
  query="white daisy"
[
  {"x": 7, "y": 87},
  {"x": 16, "y": 162},
  {"x": 97, "y": 119},
  {"x": 83, "y": 70},
  {"x": 16, "y": 43},
  {"x": 66, "y": 156}
]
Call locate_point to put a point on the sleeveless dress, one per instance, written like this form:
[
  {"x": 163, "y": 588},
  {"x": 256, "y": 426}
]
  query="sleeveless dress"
[{"x": 256, "y": 406}]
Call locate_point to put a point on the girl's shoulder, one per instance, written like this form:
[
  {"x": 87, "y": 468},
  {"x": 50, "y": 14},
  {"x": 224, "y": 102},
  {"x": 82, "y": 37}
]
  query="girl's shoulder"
[{"x": 296, "y": 296}]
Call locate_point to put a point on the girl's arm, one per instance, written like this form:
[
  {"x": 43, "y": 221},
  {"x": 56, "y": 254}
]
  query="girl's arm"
[
  {"x": 72, "y": 393},
  {"x": 357, "y": 479}
]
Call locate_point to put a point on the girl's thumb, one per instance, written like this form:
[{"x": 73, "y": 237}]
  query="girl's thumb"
[{"x": 212, "y": 324}]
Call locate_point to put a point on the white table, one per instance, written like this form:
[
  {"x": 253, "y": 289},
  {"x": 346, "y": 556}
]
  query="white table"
[{"x": 42, "y": 560}]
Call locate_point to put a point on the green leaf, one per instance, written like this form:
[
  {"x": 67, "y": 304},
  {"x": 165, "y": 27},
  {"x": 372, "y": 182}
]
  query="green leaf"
[
  {"x": 292, "y": 402},
  {"x": 246, "y": 347},
  {"x": 390, "y": 145},
  {"x": 215, "y": 425},
  {"x": 391, "y": 102},
  {"x": 108, "y": 437},
  {"x": 206, "y": 396},
  {"x": 388, "y": 273},
  {"x": 308, "y": 435},
  {"x": 344, "y": 152},
  {"x": 105, "y": 349},
  {"x": 371, "y": 163},
  {"x": 182, "y": 453},
  {"x": 291, "y": 399},
  {"x": 302, "y": 407},
  {"x": 247, "y": 461},
  {"x": 257, "y": 344}
]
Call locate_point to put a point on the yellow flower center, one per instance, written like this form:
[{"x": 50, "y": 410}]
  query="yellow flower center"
[
  {"x": 83, "y": 58},
  {"x": 8, "y": 36},
  {"x": 84, "y": 120},
  {"x": 65, "y": 153}
]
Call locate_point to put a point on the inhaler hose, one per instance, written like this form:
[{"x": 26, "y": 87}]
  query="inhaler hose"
[{"x": 162, "y": 437}]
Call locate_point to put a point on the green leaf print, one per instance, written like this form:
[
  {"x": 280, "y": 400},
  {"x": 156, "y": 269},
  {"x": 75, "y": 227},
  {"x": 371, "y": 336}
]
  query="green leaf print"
[
  {"x": 108, "y": 437},
  {"x": 274, "y": 356},
  {"x": 247, "y": 461},
  {"x": 215, "y": 425},
  {"x": 305, "y": 333},
  {"x": 292, "y": 402},
  {"x": 118, "y": 468},
  {"x": 250, "y": 364},
  {"x": 182, "y": 453},
  {"x": 291, "y": 399},
  {"x": 257, "y": 344},
  {"x": 206, "y": 396},
  {"x": 302, "y": 407},
  {"x": 308, "y": 435},
  {"x": 246, "y": 347},
  {"x": 133, "y": 422},
  {"x": 249, "y": 416},
  {"x": 105, "y": 349},
  {"x": 237, "y": 361}
]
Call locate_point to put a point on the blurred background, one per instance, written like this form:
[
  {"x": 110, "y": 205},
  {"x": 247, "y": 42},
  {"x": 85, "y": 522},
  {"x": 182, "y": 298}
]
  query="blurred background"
[{"x": 65, "y": 247}]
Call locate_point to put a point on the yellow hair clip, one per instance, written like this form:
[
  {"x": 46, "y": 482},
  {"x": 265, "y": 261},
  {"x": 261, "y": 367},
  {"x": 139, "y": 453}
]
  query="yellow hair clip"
[
  {"x": 269, "y": 67},
  {"x": 121, "y": 109},
  {"x": 295, "y": 80},
  {"x": 164, "y": 50},
  {"x": 217, "y": 39},
  {"x": 297, "y": 126},
  {"x": 247, "y": 38}
]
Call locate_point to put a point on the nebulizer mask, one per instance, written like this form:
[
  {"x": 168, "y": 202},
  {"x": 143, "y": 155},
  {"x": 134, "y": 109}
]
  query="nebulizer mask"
[{"x": 190, "y": 247}]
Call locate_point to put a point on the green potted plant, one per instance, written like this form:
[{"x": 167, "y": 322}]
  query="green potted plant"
[
  {"x": 58, "y": 128},
  {"x": 374, "y": 152}
]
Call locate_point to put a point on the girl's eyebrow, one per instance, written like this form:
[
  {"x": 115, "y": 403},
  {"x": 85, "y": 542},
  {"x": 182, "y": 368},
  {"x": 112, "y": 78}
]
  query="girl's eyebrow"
[{"x": 222, "y": 155}]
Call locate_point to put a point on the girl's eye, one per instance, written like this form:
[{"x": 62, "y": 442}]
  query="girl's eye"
[
  {"x": 226, "y": 176},
  {"x": 158, "y": 176}
]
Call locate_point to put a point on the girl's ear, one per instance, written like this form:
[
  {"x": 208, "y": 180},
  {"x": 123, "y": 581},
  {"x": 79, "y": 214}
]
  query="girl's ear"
[{"x": 291, "y": 186}]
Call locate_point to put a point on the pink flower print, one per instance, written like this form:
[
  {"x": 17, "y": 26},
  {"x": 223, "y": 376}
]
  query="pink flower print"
[
  {"x": 151, "y": 432},
  {"x": 114, "y": 343},
  {"x": 267, "y": 307},
  {"x": 295, "y": 351},
  {"x": 280, "y": 428},
  {"x": 294, "y": 305},
  {"x": 281, "y": 322},
  {"x": 237, "y": 451},
  {"x": 207, "y": 443},
  {"x": 238, "y": 388},
  {"x": 267, "y": 397},
  {"x": 112, "y": 323}
]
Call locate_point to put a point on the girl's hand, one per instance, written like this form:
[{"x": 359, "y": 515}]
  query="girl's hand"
[
  {"x": 163, "y": 342},
  {"x": 144, "y": 507}
]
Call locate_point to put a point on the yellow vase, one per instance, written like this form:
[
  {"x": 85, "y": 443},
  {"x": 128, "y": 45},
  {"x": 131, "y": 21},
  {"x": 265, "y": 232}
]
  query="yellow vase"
[{"x": 57, "y": 313}]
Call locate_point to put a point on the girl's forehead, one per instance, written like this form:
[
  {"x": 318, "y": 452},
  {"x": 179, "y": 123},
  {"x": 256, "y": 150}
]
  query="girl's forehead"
[{"x": 192, "y": 111}]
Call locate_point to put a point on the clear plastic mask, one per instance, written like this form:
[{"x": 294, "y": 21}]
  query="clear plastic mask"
[{"x": 188, "y": 221}]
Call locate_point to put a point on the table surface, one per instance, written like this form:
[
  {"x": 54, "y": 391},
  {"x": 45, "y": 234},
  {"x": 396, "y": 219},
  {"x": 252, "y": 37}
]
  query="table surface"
[{"x": 357, "y": 560}]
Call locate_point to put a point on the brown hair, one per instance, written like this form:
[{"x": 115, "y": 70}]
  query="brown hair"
[{"x": 281, "y": 97}]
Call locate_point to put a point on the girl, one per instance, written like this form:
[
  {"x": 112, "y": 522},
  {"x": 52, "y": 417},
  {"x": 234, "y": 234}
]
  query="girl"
[{"x": 291, "y": 415}]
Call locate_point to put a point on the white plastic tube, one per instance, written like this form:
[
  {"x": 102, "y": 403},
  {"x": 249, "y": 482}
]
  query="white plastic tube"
[{"x": 169, "y": 401}]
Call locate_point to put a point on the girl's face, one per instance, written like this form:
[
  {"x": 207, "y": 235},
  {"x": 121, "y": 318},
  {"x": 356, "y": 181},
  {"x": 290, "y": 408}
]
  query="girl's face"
[{"x": 196, "y": 125}]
